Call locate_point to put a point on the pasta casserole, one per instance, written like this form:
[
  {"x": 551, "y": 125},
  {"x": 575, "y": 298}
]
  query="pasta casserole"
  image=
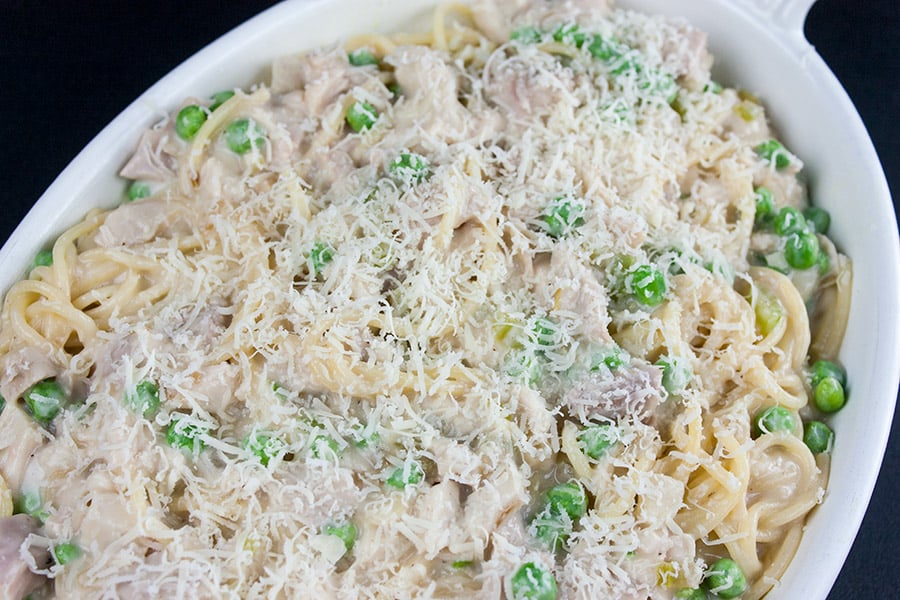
[{"x": 527, "y": 306}]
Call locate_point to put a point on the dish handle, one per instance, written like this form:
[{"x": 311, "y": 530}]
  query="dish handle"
[{"x": 787, "y": 15}]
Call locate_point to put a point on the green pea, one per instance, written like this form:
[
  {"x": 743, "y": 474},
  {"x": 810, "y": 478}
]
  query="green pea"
[
  {"x": 410, "y": 168},
  {"x": 137, "y": 190},
  {"x": 570, "y": 33},
  {"x": 361, "y": 116},
  {"x": 409, "y": 474},
  {"x": 774, "y": 152},
  {"x": 725, "y": 579},
  {"x": 676, "y": 375},
  {"x": 184, "y": 435},
  {"x": 362, "y": 57},
  {"x": 774, "y": 419},
  {"x": 346, "y": 532},
  {"x": 533, "y": 582},
  {"x": 647, "y": 285},
  {"x": 829, "y": 395},
  {"x": 562, "y": 216},
  {"x": 568, "y": 498},
  {"x": 189, "y": 121},
  {"x": 242, "y": 135},
  {"x": 565, "y": 503},
  {"x": 30, "y": 503},
  {"x": 789, "y": 220},
  {"x": 362, "y": 439},
  {"x": 596, "y": 440},
  {"x": 613, "y": 359},
  {"x": 524, "y": 366},
  {"x": 769, "y": 311},
  {"x": 826, "y": 368},
  {"x": 219, "y": 98},
  {"x": 44, "y": 258},
  {"x": 45, "y": 400},
  {"x": 527, "y": 35},
  {"x": 818, "y": 218},
  {"x": 320, "y": 255},
  {"x": 765, "y": 206},
  {"x": 325, "y": 446},
  {"x": 604, "y": 49},
  {"x": 144, "y": 399},
  {"x": 66, "y": 552},
  {"x": 551, "y": 529},
  {"x": 263, "y": 446},
  {"x": 801, "y": 249},
  {"x": 690, "y": 594},
  {"x": 818, "y": 437},
  {"x": 544, "y": 332}
]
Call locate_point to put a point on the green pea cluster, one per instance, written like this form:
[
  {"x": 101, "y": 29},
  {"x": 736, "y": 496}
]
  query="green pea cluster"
[
  {"x": 828, "y": 383},
  {"x": 620, "y": 59},
  {"x": 800, "y": 247}
]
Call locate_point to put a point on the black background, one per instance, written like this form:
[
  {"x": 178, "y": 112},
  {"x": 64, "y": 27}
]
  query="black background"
[{"x": 68, "y": 68}]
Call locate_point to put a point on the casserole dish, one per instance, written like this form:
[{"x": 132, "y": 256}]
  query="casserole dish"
[{"x": 800, "y": 93}]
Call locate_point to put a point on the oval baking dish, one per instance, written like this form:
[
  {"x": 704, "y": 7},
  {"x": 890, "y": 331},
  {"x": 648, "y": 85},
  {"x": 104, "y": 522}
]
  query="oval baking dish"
[{"x": 769, "y": 57}]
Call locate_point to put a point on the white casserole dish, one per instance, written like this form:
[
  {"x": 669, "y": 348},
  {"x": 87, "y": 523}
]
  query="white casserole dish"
[{"x": 758, "y": 44}]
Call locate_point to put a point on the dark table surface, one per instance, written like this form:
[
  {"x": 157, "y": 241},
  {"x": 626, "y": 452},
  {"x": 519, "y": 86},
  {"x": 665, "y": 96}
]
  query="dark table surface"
[{"x": 68, "y": 68}]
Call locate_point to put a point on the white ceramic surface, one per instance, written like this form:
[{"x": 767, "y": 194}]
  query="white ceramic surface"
[{"x": 758, "y": 44}]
